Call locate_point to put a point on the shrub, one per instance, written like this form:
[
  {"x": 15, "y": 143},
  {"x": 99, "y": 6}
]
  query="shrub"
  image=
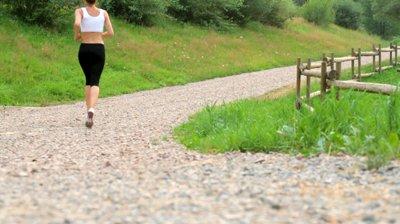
[
  {"x": 299, "y": 2},
  {"x": 46, "y": 13},
  {"x": 141, "y": 12},
  {"x": 224, "y": 12},
  {"x": 348, "y": 14},
  {"x": 378, "y": 20},
  {"x": 319, "y": 12},
  {"x": 382, "y": 27},
  {"x": 269, "y": 12},
  {"x": 206, "y": 12}
]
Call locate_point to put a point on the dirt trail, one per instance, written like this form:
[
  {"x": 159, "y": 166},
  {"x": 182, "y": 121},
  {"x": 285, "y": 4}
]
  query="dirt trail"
[{"x": 128, "y": 169}]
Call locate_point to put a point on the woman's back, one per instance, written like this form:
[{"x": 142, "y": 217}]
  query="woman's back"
[{"x": 92, "y": 25}]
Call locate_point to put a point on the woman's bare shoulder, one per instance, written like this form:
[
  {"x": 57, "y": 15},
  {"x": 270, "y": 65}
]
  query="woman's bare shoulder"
[
  {"x": 105, "y": 12},
  {"x": 78, "y": 10}
]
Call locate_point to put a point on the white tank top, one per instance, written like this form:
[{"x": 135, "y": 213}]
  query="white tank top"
[{"x": 92, "y": 23}]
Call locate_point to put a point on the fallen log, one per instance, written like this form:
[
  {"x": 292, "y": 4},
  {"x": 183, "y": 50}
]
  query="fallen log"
[
  {"x": 384, "y": 68},
  {"x": 308, "y": 107},
  {"x": 385, "y": 89},
  {"x": 365, "y": 75},
  {"x": 314, "y": 94}
]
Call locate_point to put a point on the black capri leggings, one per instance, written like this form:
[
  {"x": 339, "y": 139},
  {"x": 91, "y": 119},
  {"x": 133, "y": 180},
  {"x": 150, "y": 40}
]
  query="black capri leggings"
[{"x": 92, "y": 58}]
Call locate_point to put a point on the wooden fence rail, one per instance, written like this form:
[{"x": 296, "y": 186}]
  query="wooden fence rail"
[{"x": 329, "y": 70}]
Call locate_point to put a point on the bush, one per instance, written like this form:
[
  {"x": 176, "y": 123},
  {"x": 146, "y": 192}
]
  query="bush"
[
  {"x": 141, "y": 12},
  {"x": 379, "y": 21},
  {"x": 348, "y": 14},
  {"x": 46, "y": 13},
  {"x": 299, "y": 2},
  {"x": 382, "y": 27},
  {"x": 224, "y": 12},
  {"x": 217, "y": 13},
  {"x": 269, "y": 12},
  {"x": 319, "y": 12}
]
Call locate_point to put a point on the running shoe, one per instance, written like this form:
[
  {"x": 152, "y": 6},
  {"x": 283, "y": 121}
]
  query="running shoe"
[{"x": 89, "y": 121}]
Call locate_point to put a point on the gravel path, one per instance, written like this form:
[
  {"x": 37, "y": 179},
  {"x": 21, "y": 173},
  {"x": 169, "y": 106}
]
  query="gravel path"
[{"x": 128, "y": 169}]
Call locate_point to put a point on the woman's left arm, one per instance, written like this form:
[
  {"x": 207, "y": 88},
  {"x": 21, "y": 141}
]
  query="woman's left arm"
[{"x": 109, "y": 27}]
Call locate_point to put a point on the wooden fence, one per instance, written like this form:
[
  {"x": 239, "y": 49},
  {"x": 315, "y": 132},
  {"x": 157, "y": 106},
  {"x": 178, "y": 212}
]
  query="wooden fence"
[{"x": 329, "y": 71}]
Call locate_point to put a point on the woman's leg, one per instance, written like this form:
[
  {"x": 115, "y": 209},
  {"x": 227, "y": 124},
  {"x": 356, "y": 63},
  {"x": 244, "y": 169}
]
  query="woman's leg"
[
  {"x": 94, "y": 92},
  {"x": 92, "y": 96},
  {"x": 87, "y": 96},
  {"x": 85, "y": 60},
  {"x": 93, "y": 69},
  {"x": 96, "y": 69}
]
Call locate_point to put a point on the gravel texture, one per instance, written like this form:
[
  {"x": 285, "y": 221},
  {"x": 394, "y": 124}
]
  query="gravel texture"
[{"x": 128, "y": 168}]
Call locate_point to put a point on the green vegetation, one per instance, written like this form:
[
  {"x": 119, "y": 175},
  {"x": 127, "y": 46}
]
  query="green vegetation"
[
  {"x": 319, "y": 12},
  {"x": 348, "y": 13},
  {"x": 381, "y": 17},
  {"x": 222, "y": 13},
  {"x": 219, "y": 14},
  {"x": 141, "y": 12},
  {"x": 40, "y": 67},
  {"x": 359, "y": 124},
  {"x": 55, "y": 15},
  {"x": 376, "y": 16}
]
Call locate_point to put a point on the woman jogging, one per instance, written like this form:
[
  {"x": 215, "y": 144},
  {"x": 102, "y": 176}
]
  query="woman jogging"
[{"x": 88, "y": 29}]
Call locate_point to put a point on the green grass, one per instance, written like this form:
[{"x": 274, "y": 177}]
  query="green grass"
[
  {"x": 38, "y": 67},
  {"x": 359, "y": 124}
]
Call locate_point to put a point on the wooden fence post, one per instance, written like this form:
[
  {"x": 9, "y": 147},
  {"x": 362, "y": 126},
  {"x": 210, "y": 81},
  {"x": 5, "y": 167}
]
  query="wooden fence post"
[
  {"x": 374, "y": 59},
  {"x": 395, "y": 54},
  {"x": 359, "y": 64},
  {"x": 324, "y": 69},
  {"x": 380, "y": 59},
  {"x": 332, "y": 61},
  {"x": 353, "y": 54},
  {"x": 338, "y": 74},
  {"x": 298, "y": 85},
  {"x": 391, "y": 56},
  {"x": 308, "y": 83}
]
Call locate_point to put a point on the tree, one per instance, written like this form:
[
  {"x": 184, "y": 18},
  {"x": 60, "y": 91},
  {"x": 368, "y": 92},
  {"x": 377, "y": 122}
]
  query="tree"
[{"x": 381, "y": 17}]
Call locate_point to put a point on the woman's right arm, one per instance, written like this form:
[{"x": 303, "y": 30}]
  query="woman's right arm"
[{"x": 77, "y": 24}]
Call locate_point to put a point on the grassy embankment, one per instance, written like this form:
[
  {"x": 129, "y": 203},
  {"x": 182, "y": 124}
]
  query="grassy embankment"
[
  {"x": 38, "y": 67},
  {"x": 359, "y": 124}
]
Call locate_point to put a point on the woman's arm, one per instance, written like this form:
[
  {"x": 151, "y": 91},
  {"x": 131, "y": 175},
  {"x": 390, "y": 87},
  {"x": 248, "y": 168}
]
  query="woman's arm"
[
  {"x": 77, "y": 25},
  {"x": 109, "y": 27}
]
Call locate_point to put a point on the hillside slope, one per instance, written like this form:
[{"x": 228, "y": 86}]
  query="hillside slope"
[{"x": 38, "y": 67}]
